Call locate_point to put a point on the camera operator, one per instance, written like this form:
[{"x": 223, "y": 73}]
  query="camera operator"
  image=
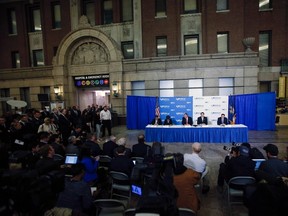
[{"x": 236, "y": 163}]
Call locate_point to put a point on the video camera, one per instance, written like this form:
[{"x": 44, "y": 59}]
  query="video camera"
[{"x": 234, "y": 147}]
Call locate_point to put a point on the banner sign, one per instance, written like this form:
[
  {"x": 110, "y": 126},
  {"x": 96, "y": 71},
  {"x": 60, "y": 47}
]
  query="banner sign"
[
  {"x": 101, "y": 80},
  {"x": 175, "y": 107},
  {"x": 212, "y": 106}
]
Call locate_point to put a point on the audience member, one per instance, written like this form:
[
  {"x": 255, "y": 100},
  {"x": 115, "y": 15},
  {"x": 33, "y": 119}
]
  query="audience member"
[
  {"x": 105, "y": 117},
  {"x": 55, "y": 142},
  {"x": 110, "y": 146},
  {"x": 141, "y": 149},
  {"x": 202, "y": 119},
  {"x": 122, "y": 163},
  {"x": 156, "y": 121},
  {"x": 239, "y": 164},
  {"x": 222, "y": 120},
  {"x": 91, "y": 142},
  {"x": 168, "y": 120},
  {"x": 43, "y": 138},
  {"x": 272, "y": 168},
  {"x": 73, "y": 146},
  {"x": 187, "y": 120},
  {"x": 47, "y": 163},
  {"x": 122, "y": 142},
  {"x": 91, "y": 165},
  {"x": 77, "y": 193},
  {"x": 65, "y": 126},
  {"x": 48, "y": 127},
  {"x": 184, "y": 181},
  {"x": 195, "y": 162}
]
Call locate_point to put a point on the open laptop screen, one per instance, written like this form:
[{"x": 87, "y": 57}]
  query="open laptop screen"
[
  {"x": 258, "y": 163},
  {"x": 71, "y": 159}
]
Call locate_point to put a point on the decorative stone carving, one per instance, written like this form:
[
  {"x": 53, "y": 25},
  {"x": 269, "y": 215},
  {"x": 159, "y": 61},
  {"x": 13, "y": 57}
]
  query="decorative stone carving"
[
  {"x": 83, "y": 22},
  {"x": 248, "y": 42},
  {"x": 126, "y": 31},
  {"x": 89, "y": 53}
]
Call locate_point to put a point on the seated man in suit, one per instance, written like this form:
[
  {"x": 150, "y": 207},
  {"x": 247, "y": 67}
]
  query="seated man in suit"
[
  {"x": 156, "y": 121},
  {"x": 141, "y": 149},
  {"x": 187, "y": 120},
  {"x": 168, "y": 120},
  {"x": 222, "y": 120},
  {"x": 202, "y": 120}
]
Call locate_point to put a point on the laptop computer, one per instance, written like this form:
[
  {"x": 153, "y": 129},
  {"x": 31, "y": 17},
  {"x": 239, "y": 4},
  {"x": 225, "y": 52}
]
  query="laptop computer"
[
  {"x": 71, "y": 159},
  {"x": 135, "y": 189},
  {"x": 258, "y": 163}
]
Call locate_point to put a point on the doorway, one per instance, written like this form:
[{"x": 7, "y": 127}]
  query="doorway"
[{"x": 93, "y": 96}]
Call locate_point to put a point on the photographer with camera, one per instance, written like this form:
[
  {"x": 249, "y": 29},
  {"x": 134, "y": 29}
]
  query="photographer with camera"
[{"x": 236, "y": 163}]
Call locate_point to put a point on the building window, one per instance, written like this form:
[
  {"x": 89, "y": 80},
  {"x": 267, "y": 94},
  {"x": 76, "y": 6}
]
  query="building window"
[
  {"x": 25, "y": 95},
  {"x": 190, "y": 6},
  {"x": 166, "y": 88},
  {"x": 127, "y": 10},
  {"x": 55, "y": 51},
  {"x": 138, "y": 88},
  {"x": 12, "y": 23},
  {"x": 89, "y": 11},
  {"x": 38, "y": 59},
  {"x": 5, "y": 93},
  {"x": 15, "y": 56},
  {"x": 56, "y": 15},
  {"x": 36, "y": 20},
  {"x": 195, "y": 87},
  {"x": 222, "y": 42},
  {"x": 222, "y": 5},
  {"x": 161, "y": 46},
  {"x": 191, "y": 44},
  {"x": 265, "y": 4},
  {"x": 160, "y": 8},
  {"x": 265, "y": 48},
  {"x": 128, "y": 49},
  {"x": 107, "y": 12},
  {"x": 226, "y": 86}
]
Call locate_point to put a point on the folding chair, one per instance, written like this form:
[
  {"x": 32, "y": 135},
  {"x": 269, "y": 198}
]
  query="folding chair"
[
  {"x": 109, "y": 206},
  {"x": 186, "y": 212},
  {"x": 139, "y": 160},
  {"x": 104, "y": 161},
  {"x": 120, "y": 185}
]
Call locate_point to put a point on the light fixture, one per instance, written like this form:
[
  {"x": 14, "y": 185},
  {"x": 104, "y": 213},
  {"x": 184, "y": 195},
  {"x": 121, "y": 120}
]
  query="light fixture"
[
  {"x": 115, "y": 89},
  {"x": 57, "y": 92}
]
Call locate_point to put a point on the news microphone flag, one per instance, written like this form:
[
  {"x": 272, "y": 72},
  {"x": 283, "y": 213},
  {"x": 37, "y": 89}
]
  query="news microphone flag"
[{"x": 157, "y": 108}]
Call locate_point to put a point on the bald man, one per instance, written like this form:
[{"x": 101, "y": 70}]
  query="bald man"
[{"x": 194, "y": 161}]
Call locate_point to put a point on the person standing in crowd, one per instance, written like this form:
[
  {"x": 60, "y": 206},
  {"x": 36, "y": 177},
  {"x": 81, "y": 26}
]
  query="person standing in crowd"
[
  {"x": 222, "y": 120},
  {"x": 47, "y": 126},
  {"x": 105, "y": 118},
  {"x": 202, "y": 119},
  {"x": 141, "y": 149},
  {"x": 168, "y": 120},
  {"x": 97, "y": 123},
  {"x": 156, "y": 121},
  {"x": 65, "y": 126},
  {"x": 187, "y": 120}
]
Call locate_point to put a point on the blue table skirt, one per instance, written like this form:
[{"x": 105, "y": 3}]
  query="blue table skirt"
[{"x": 213, "y": 134}]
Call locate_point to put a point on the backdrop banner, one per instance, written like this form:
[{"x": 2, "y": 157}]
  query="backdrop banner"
[{"x": 175, "y": 107}]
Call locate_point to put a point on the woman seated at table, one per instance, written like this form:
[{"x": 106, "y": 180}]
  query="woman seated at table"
[{"x": 168, "y": 120}]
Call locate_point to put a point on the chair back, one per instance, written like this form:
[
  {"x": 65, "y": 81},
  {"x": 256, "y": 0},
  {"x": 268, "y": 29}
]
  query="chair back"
[
  {"x": 104, "y": 161},
  {"x": 241, "y": 181},
  {"x": 139, "y": 160},
  {"x": 119, "y": 176},
  {"x": 186, "y": 212},
  {"x": 110, "y": 205}
]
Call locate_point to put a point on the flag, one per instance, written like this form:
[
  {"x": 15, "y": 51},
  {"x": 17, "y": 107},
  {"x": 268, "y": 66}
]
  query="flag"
[
  {"x": 232, "y": 111},
  {"x": 157, "y": 108}
]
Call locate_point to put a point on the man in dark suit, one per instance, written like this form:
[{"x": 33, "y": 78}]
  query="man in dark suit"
[
  {"x": 156, "y": 121},
  {"x": 110, "y": 146},
  {"x": 141, "y": 149},
  {"x": 222, "y": 120},
  {"x": 202, "y": 119},
  {"x": 187, "y": 120}
]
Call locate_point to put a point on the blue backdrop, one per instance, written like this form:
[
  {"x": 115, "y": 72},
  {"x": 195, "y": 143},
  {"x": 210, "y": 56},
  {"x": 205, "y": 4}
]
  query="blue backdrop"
[{"x": 257, "y": 111}]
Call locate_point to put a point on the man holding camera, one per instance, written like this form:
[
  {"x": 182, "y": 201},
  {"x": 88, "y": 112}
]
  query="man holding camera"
[{"x": 237, "y": 163}]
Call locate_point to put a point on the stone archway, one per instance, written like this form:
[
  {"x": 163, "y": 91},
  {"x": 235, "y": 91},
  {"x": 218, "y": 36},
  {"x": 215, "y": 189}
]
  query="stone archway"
[{"x": 85, "y": 50}]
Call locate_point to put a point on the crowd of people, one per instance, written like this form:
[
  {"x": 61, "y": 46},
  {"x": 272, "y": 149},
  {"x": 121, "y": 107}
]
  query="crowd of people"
[{"x": 39, "y": 141}]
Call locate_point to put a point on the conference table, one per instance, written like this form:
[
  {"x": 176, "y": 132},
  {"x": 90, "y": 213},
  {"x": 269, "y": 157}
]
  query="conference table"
[{"x": 207, "y": 133}]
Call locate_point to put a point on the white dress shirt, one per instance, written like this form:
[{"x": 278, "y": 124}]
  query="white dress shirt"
[
  {"x": 105, "y": 115},
  {"x": 195, "y": 162}
]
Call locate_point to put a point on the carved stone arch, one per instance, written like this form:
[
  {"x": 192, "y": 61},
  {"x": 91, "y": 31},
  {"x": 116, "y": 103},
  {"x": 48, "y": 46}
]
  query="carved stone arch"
[{"x": 64, "y": 54}]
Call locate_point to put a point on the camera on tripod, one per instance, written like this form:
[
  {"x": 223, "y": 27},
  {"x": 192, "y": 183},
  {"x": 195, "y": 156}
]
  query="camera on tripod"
[{"x": 233, "y": 148}]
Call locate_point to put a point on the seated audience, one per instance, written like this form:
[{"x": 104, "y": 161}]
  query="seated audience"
[
  {"x": 141, "y": 149},
  {"x": 168, "y": 120},
  {"x": 122, "y": 163},
  {"x": 240, "y": 164},
  {"x": 73, "y": 146},
  {"x": 222, "y": 120},
  {"x": 184, "y": 181},
  {"x": 91, "y": 142},
  {"x": 122, "y": 142},
  {"x": 91, "y": 165},
  {"x": 55, "y": 142},
  {"x": 110, "y": 146},
  {"x": 202, "y": 119},
  {"x": 77, "y": 193}
]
